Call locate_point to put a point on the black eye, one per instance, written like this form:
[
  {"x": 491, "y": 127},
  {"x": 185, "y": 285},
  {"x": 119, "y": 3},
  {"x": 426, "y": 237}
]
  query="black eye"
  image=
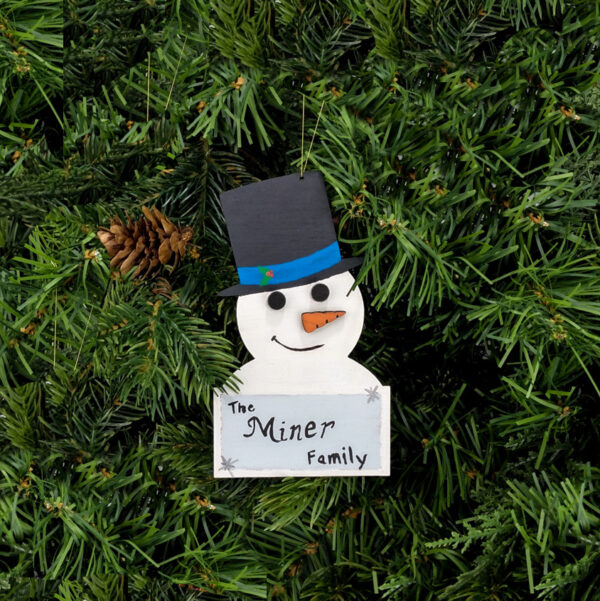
[
  {"x": 320, "y": 292},
  {"x": 276, "y": 300}
]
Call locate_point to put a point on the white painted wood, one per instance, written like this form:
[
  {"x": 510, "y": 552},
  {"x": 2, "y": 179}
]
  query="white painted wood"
[
  {"x": 357, "y": 438},
  {"x": 270, "y": 335},
  {"x": 327, "y": 369}
]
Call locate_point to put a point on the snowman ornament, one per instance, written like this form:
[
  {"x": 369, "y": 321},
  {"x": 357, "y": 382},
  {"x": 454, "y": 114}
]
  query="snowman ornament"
[{"x": 301, "y": 406}]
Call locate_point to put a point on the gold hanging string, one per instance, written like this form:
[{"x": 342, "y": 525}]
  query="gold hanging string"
[
  {"x": 148, "y": 91},
  {"x": 176, "y": 71},
  {"x": 313, "y": 136}
]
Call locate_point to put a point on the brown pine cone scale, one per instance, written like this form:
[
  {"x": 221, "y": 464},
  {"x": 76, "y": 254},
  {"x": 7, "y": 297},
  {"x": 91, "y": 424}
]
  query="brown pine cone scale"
[{"x": 151, "y": 242}]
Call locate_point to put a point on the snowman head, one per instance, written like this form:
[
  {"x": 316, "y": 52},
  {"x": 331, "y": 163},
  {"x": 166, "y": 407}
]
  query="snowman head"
[
  {"x": 313, "y": 321},
  {"x": 295, "y": 297}
]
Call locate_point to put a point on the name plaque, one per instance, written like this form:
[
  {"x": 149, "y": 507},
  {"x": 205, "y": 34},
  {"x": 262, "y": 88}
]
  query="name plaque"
[{"x": 275, "y": 435}]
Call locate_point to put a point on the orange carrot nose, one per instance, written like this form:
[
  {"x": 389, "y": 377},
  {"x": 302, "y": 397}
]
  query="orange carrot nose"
[{"x": 317, "y": 319}]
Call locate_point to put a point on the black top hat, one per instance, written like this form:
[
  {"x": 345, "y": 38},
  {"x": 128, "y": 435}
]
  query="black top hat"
[{"x": 282, "y": 234}]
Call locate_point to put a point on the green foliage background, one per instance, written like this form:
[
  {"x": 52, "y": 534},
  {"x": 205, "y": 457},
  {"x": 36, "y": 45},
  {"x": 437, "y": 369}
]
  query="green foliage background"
[{"x": 459, "y": 143}]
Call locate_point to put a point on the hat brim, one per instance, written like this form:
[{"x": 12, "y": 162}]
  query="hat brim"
[{"x": 343, "y": 265}]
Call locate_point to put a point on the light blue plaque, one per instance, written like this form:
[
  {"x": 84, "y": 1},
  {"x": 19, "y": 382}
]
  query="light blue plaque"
[{"x": 302, "y": 435}]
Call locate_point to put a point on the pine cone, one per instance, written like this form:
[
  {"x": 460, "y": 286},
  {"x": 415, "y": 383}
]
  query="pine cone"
[{"x": 150, "y": 242}]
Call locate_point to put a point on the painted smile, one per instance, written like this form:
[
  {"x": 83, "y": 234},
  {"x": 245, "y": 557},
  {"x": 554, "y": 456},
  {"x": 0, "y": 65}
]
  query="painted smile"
[{"x": 291, "y": 348}]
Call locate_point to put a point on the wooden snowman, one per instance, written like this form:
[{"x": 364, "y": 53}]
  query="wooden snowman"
[{"x": 301, "y": 407}]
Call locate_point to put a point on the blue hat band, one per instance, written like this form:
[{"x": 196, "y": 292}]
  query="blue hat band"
[{"x": 281, "y": 273}]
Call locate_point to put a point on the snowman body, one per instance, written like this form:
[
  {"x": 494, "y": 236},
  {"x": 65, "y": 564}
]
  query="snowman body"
[
  {"x": 300, "y": 338},
  {"x": 345, "y": 376}
]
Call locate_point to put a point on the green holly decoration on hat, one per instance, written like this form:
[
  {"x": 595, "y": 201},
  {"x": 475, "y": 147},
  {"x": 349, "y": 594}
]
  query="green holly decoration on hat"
[{"x": 267, "y": 275}]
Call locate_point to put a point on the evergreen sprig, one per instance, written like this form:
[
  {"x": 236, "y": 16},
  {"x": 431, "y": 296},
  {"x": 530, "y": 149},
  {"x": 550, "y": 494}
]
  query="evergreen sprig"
[{"x": 459, "y": 143}]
